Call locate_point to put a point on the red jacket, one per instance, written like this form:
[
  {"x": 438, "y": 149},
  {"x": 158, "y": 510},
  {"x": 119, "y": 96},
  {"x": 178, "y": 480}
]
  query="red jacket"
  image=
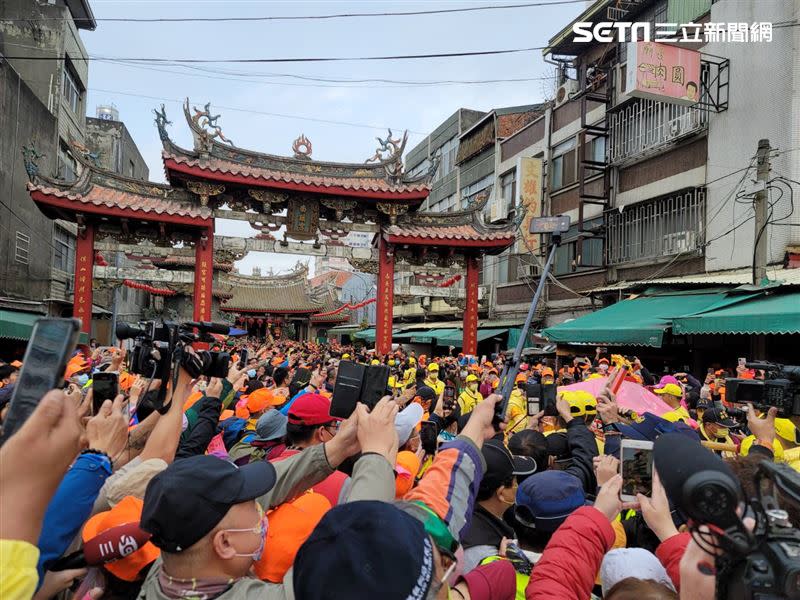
[
  {"x": 670, "y": 552},
  {"x": 570, "y": 562}
]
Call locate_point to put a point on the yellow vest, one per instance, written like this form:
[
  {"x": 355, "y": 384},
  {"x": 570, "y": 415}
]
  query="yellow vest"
[
  {"x": 437, "y": 386},
  {"x": 522, "y": 579},
  {"x": 517, "y": 412}
]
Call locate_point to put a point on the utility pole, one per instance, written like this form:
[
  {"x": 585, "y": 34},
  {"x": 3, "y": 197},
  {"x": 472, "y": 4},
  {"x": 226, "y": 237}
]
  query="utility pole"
[{"x": 760, "y": 207}]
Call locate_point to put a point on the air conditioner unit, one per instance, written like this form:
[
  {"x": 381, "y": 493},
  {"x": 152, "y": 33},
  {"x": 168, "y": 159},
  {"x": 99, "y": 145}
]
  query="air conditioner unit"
[
  {"x": 498, "y": 211},
  {"x": 564, "y": 93},
  {"x": 680, "y": 242},
  {"x": 675, "y": 127},
  {"x": 528, "y": 271}
]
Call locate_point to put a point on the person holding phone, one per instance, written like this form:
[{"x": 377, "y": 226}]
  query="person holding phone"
[{"x": 470, "y": 396}]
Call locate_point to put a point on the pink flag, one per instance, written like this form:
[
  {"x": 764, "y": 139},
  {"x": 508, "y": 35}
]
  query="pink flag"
[
  {"x": 216, "y": 447},
  {"x": 631, "y": 395}
]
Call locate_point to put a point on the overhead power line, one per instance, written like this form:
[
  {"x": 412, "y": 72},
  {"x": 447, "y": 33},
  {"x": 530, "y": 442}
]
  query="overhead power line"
[
  {"x": 219, "y": 19},
  {"x": 154, "y": 59}
]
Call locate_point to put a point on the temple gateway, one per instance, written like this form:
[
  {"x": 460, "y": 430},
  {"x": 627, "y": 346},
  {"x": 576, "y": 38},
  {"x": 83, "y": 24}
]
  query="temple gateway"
[{"x": 294, "y": 204}]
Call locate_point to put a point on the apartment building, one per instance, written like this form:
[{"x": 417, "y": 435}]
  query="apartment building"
[{"x": 660, "y": 189}]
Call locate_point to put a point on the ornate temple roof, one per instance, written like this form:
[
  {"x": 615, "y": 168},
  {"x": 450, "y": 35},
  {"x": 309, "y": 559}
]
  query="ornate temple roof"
[
  {"x": 287, "y": 293},
  {"x": 103, "y": 192},
  {"x": 326, "y": 296},
  {"x": 168, "y": 262},
  {"x": 215, "y": 157},
  {"x": 465, "y": 228}
]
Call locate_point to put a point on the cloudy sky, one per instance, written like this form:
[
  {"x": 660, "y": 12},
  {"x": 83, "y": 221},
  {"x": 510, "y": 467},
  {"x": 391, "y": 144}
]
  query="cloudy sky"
[{"x": 266, "y": 106}]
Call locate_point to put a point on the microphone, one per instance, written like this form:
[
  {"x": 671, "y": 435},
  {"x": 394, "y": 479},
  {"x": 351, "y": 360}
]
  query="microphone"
[
  {"x": 700, "y": 484},
  {"x": 113, "y": 544},
  {"x": 211, "y": 327}
]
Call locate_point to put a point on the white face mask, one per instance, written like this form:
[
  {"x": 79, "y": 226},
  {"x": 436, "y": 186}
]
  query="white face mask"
[{"x": 473, "y": 386}]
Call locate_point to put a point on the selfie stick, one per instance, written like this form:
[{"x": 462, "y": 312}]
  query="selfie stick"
[{"x": 556, "y": 226}]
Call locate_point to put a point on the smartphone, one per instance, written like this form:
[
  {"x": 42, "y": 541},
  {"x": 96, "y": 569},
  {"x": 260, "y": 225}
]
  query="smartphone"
[
  {"x": 533, "y": 406},
  {"x": 105, "y": 386},
  {"x": 428, "y": 433},
  {"x": 242, "y": 358},
  {"x": 347, "y": 389},
  {"x": 636, "y": 468},
  {"x": 375, "y": 386},
  {"x": 52, "y": 343},
  {"x": 449, "y": 392}
]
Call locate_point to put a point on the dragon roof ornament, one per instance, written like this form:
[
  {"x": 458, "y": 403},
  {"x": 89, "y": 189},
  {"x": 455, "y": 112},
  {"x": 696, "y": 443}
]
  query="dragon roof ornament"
[
  {"x": 390, "y": 154},
  {"x": 161, "y": 123},
  {"x": 204, "y": 127}
]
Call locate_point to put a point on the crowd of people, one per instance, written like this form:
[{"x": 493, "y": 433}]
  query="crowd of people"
[{"x": 246, "y": 486}]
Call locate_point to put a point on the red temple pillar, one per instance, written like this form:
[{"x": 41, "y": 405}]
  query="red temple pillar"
[
  {"x": 203, "y": 274},
  {"x": 385, "y": 308},
  {"x": 84, "y": 263},
  {"x": 470, "y": 340}
]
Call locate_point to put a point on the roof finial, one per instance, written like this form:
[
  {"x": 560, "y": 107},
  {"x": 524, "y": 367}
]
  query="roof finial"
[
  {"x": 390, "y": 154},
  {"x": 206, "y": 123},
  {"x": 302, "y": 147},
  {"x": 162, "y": 122},
  {"x": 29, "y": 156}
]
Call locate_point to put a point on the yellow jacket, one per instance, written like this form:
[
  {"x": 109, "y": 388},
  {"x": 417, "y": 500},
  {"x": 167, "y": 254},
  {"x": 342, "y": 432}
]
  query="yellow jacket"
[
  {"x": 517, "y": 412},
  {"x": 437, "y": 386},
  {"x": 468, "y": 400}
]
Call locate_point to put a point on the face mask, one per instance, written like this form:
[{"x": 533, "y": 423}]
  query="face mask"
[
  {"x": 251, "y": 373},
  {"x": 463, "y": 374},
  {"x": 433, "y": 375},
  {"x": 83, "y": 379},
  {"x": 604, "y": 368},
  {"x": 261, "y": 529},
  {"x": 473, "y": 386},
  {"x": 722, "y": 432}
]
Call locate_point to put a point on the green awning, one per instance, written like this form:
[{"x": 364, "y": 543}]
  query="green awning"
[
  {"x": 17, "y": 325},
  {"x": 455, "y": 337},
  {"x": 639, "y": 321},
  {"x": 368, "y": 335},
  {"x": 774, "y": 314}
]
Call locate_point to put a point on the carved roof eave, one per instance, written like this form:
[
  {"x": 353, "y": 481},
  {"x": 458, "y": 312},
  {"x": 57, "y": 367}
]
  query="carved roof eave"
[
  {"x": 290, "y": 164},
  {"x": 469, "y": 216},
  {"x": 91, "y": 175},
  {"x": 295, "y": 277}
]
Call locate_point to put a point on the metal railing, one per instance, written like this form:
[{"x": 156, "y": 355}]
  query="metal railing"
[
  {"x": 652, "y": 229},
  {"x": 645, "y": 125}
]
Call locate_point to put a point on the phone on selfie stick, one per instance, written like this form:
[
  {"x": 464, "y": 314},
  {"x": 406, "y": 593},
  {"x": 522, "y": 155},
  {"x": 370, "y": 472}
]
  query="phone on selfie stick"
[
  {"x": 105, "y": 386},
  {"x": 50, "y": 347},
  {"x": 556, "y": 227},
  {"x": 242, "y": 359}
]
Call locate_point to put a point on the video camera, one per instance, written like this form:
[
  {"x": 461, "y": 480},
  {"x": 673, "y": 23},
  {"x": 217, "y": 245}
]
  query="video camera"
[
  {"x": 159, "y": 348},
  {"x": 781, "y": 388},
  {"x": 762, "y": 563}
]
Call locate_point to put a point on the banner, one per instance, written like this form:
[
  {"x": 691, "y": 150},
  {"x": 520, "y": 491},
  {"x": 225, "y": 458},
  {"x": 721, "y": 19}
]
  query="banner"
[
  {"x": 663, "y": 72},
  {"x": 529, "y": 195}
]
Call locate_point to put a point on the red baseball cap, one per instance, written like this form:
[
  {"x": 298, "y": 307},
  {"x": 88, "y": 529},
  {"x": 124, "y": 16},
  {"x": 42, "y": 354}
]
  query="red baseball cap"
[{"x": 311, "y": 409}]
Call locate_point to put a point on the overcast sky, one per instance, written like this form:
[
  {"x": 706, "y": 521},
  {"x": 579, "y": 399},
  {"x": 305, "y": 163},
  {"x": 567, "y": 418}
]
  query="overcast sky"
[{"x": 367, "y": 108}]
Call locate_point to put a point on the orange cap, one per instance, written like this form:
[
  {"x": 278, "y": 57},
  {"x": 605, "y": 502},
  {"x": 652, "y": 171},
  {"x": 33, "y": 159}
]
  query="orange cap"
[
  {"x": 547, "y": 371},
  {"x": 289, "y": 526},
  {"x": 192, "y": 400},
  {"x": 75, "y": 365},
  {"x": 520, "y": 378},
  {"x": 407, "y": 468},
  {"x": 257, "y": 402},
  {"x": 225, "y": 414},
  {"x": 127, "y": 510},
  {"x": 126, "y": 381},
  {"x": 16, "y": 364}
]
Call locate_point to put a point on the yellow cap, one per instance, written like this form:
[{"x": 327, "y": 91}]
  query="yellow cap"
[
  {"x": 580, "y": 402},
  {"x": 472, "y": 378},
  {"x": 787, "y": 430},
  {"x": 345, "y": 356},
  {"x": 777, "y": 449},
  {"x": 433, "y": 367},
  {"x": 375, "y": 361},
  {"x": 412, "y": 360}
]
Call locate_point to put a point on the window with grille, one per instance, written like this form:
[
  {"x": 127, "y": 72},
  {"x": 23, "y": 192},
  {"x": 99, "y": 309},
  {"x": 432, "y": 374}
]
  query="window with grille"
[
  {"x": 71, "y": 89},
  {"x": 63, "y": 250},
  {"x": 22, "y": 248},
  {"x": 447, "y": 158}
]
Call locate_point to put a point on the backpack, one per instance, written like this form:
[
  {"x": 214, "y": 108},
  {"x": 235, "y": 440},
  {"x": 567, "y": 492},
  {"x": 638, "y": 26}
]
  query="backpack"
[{"x": 232, "y": 431}]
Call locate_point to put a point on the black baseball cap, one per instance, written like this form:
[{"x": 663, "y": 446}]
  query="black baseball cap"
[
  {"x": 190, "y": 497},
  {"x": 501, "y": 465},
  {"x": 718, "y": 416}
]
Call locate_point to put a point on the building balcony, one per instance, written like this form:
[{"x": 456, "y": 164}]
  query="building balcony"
[
  {"x": 645, "y": 127},
  {"x": 669, "y": 226}
]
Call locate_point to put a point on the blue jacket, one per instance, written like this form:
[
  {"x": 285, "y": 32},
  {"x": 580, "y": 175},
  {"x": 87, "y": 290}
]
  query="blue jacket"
[{"x": 71, "y": 506}]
